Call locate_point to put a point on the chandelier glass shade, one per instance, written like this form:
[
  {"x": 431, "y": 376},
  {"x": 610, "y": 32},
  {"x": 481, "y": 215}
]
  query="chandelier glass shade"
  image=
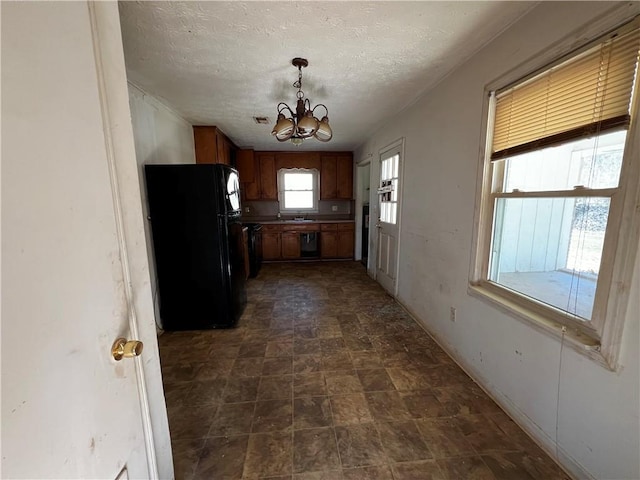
[{"x": 301, "y": 123}]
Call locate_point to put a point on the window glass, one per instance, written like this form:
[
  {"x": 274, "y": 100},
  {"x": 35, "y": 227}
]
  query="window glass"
[
  {"x": 591, "y": 163},
  {"x": 550, "y": 249},
  {"x": 298, "y": 189}
]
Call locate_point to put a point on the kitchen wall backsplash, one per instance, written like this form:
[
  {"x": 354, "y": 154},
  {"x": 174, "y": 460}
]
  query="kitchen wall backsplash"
[{"x": 271, "y": 208}]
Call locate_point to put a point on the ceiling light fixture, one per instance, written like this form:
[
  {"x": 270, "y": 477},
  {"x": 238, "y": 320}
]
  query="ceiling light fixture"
[{"x": 301, "y": 124}]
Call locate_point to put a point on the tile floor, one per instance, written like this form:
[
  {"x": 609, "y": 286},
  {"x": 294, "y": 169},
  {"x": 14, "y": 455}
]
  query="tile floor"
[{"x": 326, "y": 378}]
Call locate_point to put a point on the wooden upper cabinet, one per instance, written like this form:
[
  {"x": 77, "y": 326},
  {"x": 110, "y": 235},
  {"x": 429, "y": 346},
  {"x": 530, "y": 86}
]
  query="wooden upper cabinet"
[
  {"x": 298, "y": 160},
  {"x": 336, "y": 176},
  {"x": 246, "y": 166},
  {"x": 344, "y": 176},
  {"x": 268, "y": 181},
  {"x": 328, "y": 181},
  {"x": 212, "y": 146}
]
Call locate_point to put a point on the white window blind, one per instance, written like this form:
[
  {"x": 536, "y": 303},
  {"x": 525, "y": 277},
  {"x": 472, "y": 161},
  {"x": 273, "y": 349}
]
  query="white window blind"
[{"x": 586, "y": 95}]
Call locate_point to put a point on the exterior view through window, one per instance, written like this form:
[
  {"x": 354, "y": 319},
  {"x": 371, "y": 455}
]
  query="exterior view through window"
[
  {"x": 299, "y": 191},
  {"x": 549, "y": 246},
  {"x": 553, "y": 201}
]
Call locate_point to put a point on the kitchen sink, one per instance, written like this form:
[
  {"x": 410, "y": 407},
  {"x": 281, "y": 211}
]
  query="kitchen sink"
[{"x": 300, "y": 220}]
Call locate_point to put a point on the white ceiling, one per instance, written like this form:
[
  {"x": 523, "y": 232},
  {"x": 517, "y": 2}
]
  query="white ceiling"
[{"x": 222, "y": 63}]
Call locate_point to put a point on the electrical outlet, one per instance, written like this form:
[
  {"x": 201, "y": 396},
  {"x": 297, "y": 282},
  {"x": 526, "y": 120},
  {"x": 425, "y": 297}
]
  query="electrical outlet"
[
  {"x": 334, "y": 208},
  {"x": 452, "y": 314}
]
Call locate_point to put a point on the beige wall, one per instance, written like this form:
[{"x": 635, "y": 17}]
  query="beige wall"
[{"x": 539, "y": 382}]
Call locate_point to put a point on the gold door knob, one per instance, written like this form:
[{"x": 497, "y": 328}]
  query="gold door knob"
[{"x": 123, "y": 349}]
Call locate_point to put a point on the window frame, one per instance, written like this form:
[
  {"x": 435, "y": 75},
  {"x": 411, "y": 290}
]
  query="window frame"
[
  {"x": 281, "y": 189},
  {"x": 600, "y": 339}
]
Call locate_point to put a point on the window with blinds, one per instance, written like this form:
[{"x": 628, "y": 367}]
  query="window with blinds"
[
  {"x": 587, "y": 94},
  {"x": 554, "y": 195}
]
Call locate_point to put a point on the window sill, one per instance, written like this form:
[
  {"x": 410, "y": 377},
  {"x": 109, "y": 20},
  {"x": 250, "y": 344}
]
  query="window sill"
[{"x": 579, "y": 342}]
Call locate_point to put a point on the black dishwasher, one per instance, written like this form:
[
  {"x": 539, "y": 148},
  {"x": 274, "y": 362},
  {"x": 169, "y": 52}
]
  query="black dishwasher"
[{"x": 309, "y": 245}]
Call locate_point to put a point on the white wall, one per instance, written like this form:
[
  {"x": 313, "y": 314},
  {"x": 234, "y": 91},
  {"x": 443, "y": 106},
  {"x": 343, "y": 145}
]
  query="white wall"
[
  {"x": 74, "y": 268},
  {"x": 161, "y": 136},
  {"x": 596, "y": 410}
]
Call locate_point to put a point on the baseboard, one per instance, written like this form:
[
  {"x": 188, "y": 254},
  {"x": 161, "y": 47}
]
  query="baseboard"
[{"x": 567, "y": 463}]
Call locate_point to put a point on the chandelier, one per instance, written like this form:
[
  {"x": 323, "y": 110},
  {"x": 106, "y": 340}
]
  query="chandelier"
[{"x": 302, "y": 123}]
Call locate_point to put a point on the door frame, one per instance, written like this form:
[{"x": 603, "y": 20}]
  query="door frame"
[
  {"x": 123, "y": 172},
  {"x": 360, "y": 200},
  {"x": 400, "y": 145}
]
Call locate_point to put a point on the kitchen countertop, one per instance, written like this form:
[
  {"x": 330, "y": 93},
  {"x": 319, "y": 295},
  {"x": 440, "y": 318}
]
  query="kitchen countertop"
[{"x": 293, "y": 222}]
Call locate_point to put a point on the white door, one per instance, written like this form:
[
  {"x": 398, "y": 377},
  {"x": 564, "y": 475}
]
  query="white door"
[
  {"x": 69, "y": 410},
  {"x": 389, "y": 217}
]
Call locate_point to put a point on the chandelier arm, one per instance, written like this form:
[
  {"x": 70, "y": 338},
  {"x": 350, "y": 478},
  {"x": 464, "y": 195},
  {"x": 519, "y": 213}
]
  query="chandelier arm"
[
  {"x": 285, "y": 107},
  {"x": 323, "y": 106}
]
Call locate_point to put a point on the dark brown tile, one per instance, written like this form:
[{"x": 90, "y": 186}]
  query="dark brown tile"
[
  {"x": 350, "y": 409},
  {"x": 224, "y": 351},
  {"x": 310, "y": 384},
  {"x": 311, "y": 412},
  {"x": 468, "y": 468},
  {"x": 326, "y": 475},
  {"x": 520, "y": 465},
  {"x": 375, "y": 380},
  {"x": 247, "y": 367},
  {"x": 268, "y": 454},
  {"x": 515, "y": 434},
  {"x": 223, "y": 458},
  {"x": 366, "y": 360},
  {"x": 443, "y": 438},
  {"x": 336, "y": 361},
  {"x": 277, "y": 366},
  {"x": 387, "y": 406},
  {"x": 507, "y": 466},
  {"x": 402, "y": 442},
  {"x": 314, "y": 450},
  {"x": 425, "y": 470},
  {"x": 186, "y": 454},
  {"x": 306, "y": 363},
  {"x": 358, "y": 342},
  {"x": 180, "y": 372},
  {"x": 360, "y": 445},
  {"x": 332, "y": 345},
  {"x": 483, "y": 434},
  {"x": 272, "y": 416},
  {"x": 276, "y": 387},
  {"x": 215, "y": 369},
  {"x": 425, "y": 404},
  {"x": 279, "y": 348},
  {"x": 252, "y": 350},
  {"x": 241, "y": 389},
  {"x": 409, "y": 378},
  {"x": 176, "y": 393},
  {"x": 187, "y": 422},
  {"x": 205, "y": 393},
  {"x": 469, "y": 400},
  {"x": 339, "y": 383},
  {"x": 382, "y": 472},
  {"x": 232, "y": 419},
  {"x": 306, "y": 346}
]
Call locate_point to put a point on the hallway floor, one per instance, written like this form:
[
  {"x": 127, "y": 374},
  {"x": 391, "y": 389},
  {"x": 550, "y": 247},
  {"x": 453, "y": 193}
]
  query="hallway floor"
[{"x": 327, "y": 378}]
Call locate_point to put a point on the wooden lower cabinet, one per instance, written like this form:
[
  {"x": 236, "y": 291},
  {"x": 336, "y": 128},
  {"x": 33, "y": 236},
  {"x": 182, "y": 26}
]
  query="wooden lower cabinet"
[
  {"x": 271, "y": 246},
  {"x": 345, "y": 244},
  {"x": 290, "y": 245},
  {"x": 282, "y": 242}
]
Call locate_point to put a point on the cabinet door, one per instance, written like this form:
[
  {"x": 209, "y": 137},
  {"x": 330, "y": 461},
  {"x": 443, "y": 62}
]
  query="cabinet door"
[
  {"x": 268, "y": 184},
  {"x": 271, "y": 246},
  {"x": 328, "y": 244},
  {"x": 345, "y": 244},
  {"x": 290, "y": 245},
  {"x": 204, "y": 139},
  {"x": 344, "y": 176},
  {"x": 328, "y": 184},
  {"x": 246, "y": 166}
]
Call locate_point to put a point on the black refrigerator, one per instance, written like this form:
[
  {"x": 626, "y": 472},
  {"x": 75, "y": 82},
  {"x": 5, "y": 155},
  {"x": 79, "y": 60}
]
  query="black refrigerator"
[{"x": 197, "y": 239}]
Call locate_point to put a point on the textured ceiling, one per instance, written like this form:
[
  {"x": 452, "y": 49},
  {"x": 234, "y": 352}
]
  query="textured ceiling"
[{"x": 222, "y": 63}]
